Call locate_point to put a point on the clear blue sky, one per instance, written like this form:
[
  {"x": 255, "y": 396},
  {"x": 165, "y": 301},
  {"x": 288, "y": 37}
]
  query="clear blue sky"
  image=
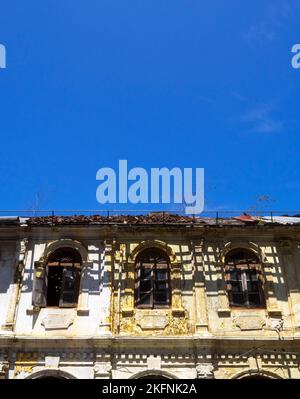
[{"x": 160, "y": 83}]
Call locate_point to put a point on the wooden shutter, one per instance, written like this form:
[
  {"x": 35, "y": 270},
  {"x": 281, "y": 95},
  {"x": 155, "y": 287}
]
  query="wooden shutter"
[
  {"x": 39, "y": 292},
  {"x": 165, "y": 282},
  {"x": 70, "y": 287},
  {"x": 145, "y": 268}
]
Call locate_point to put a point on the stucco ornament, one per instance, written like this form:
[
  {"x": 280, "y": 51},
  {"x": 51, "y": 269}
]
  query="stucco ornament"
[
  {"x": 102, "y": 370},
  {"x": 57, "y": 321},
  {"x": 3, "y": 370},
  {"x": 277, "y": 325},
  {"x": 249, "y": 322},
  {"x": 151, "y": 320},
  {"x": 205, "y": 370}
]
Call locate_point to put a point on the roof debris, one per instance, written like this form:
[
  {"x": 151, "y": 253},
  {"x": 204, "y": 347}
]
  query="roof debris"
[
  {"x": 160, "y": 218},
  {"x": 280, "y": 219}
]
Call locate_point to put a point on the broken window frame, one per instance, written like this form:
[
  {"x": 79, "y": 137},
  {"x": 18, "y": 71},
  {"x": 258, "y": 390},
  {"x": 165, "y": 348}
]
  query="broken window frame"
[
  {"x": 160, "y": 262},
  {"x": 70, "y": 264},
  {"x": 244, "y": 267},
  {"x": 74, "y": 274}
]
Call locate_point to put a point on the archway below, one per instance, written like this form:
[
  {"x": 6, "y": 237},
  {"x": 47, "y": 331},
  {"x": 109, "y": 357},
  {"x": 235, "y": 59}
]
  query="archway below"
[
  {"x": 153, "y": 377},
  {"x": 153, "y": 374},
  {"x": 50, "y": 375},
  {"x": 255, "y": 377}
]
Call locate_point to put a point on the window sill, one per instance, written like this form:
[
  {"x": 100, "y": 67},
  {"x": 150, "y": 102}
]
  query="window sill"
[{"x": 35, "y": 309}]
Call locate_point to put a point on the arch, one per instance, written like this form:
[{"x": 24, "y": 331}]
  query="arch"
[
  {"x": 242, "y": 245},
  {"x": 152, "y": 374},
  {"x": 146, "y": 252},
  {"x": 51, "y": 373},
  {"x": 153, "y": 244},
  {"x": 65, "y": 254},
  {"x": 259, "y": 374},
  {"x": 235, "y": 251},
  {"x": 65, "y": 243}
]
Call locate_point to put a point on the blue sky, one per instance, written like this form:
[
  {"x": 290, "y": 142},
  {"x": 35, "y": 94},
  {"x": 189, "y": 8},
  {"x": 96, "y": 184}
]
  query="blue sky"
[{"x": 159, "y": 83}]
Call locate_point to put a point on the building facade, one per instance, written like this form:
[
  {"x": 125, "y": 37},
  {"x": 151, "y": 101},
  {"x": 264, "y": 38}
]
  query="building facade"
[{"x": 149, "y": 296}]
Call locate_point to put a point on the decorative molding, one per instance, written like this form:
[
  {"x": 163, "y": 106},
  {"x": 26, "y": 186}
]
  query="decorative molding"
[
  {"x": 249, "y": 322},
  {"x": 277, "y": 325},
  {"x": 239, "y": 244},
  {"x": 151, "y": 320},
  {"x": 153, "y": 244},
  {"x": 57, "y": 321},
  {"x": 205, "y": 371},
  {"x": 3, "y": 370},
  {"x": 154, "y": 362},
  {"x": 102, "y": 370},
  {"x": 52, "y": 361},
  {"x": 65, "y": 242}
]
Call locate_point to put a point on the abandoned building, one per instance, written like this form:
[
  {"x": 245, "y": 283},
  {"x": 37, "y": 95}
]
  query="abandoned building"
[{"x": 149, "y": 296}]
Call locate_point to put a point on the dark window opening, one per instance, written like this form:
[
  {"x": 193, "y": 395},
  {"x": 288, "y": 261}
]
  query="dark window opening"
[
  {"x": 153, "y": 279},
  {"x": 244, "y": 279},
  {"x": 54, "y": 285},
  {"x": 63, "y": 277}
]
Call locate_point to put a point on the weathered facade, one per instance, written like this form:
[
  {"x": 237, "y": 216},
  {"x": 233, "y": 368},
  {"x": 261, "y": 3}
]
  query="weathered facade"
[{"x": 115, "y": 327}]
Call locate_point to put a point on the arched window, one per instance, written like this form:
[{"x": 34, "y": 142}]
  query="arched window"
[
  {"x": 244, "y": 279},
  {"x": 63, "y": 277},
  {"x": 152, "y": 279}
]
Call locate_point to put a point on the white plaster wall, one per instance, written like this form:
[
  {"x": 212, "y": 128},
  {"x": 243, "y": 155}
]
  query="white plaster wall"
[
  {"x": 7, "y": 267},
  {"x": 96, "y": 299},
  {"x": 25, "y": 320}
]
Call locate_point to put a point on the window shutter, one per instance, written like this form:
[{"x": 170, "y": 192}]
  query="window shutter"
[
  {"x": 137, "y": 285},
  {"x": 39, "y": 292},
  {"x": 70, "y": 288},
  {"x": 145, "y": 277}
]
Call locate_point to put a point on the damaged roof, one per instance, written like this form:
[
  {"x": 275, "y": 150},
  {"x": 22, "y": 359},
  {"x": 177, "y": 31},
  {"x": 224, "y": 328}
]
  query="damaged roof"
[{"x": 162, "y": 218}]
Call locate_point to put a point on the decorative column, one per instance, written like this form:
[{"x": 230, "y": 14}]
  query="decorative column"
[
  {"x": 201, "y": 321},
  {"x": 127, "y": 302},
  {"x": 296, "y": 262},
  {"x": 83, "y": 300},
  {"x": 106, "y": 287},
  {"x": 289, "y": 257},
  {"x": 15, "y": 286},
  {"x": 224, "y": 308},
  {"x": 176, "y": 272},
  {"x": 272, "y": 304}
]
